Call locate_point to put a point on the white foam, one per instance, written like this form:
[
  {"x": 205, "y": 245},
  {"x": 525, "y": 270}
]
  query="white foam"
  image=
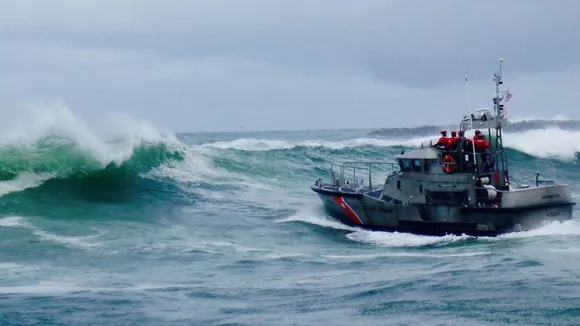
[
  {"x": 550, "y": 142},
  {"x": 60, "y": 287},
  {"x": 396, "y": 239},
  {"x": 12, "y": 222},
  {"x": 23, "y": 181},
  {"x": 57, "y": 120},
  {"x": 82, "y": 242},
  {"x": 571, "y": 227},
  {"x": 9, "y": 266},
  {"x": 275, "y": 256},
  {"x": 407, "y": 254},
  {"x": 557, "y": 117},
  {"x": 234, "y": 246},
  {"x": 310, "y": 216},
  {"x": 252, "y": 144},
  {"x": 43, "y": 287},
  {"x": 194, "y": 168}
]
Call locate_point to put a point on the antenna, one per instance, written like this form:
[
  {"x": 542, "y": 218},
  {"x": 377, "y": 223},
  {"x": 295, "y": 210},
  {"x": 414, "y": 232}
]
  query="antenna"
[
  {"x": 467, "y": 93},
  {"x": 470, "y": 118}
]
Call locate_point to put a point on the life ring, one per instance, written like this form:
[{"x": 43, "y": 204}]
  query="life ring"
[{"x": 448, "y": 164}]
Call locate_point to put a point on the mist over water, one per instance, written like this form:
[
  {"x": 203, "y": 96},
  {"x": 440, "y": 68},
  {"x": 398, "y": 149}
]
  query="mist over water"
[{"x": 147, "y": 226}]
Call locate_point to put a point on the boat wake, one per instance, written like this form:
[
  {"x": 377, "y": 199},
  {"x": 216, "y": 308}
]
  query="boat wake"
[{"x": 384, "y": 239}]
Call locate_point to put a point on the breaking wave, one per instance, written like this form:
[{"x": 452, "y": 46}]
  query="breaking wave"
[{"x": 55, "y": 152}]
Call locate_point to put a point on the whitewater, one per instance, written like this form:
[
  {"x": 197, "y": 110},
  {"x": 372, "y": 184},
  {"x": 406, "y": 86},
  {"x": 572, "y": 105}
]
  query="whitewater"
[{"x": 145, "y": 226}]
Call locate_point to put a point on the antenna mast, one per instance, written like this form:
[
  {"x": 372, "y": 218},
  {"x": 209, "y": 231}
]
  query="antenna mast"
[{"x": 501, "y": 156}]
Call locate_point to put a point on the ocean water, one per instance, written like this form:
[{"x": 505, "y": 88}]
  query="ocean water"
[{"x": 153, "y": 228}]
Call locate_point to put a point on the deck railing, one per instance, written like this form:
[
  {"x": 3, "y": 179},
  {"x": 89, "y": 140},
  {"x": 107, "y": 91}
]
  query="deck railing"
[
  {"x": 521, "y": 182},
  {"x": 356, "y": 172}
]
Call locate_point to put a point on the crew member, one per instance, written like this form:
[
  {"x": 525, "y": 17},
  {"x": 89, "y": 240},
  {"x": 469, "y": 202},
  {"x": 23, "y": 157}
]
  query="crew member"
[
  {"x": 452, "y": 144},
  {"x": 464, "y": 142},
  {"x": 481, "y": 144},
  {"x": 461, "y": 139},
  {"x": 443, "y": 140},
  {"x": 465, "y": 145}
]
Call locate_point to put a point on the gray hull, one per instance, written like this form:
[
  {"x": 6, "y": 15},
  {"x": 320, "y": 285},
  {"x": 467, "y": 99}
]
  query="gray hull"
[{"x": 371, "y": 211}]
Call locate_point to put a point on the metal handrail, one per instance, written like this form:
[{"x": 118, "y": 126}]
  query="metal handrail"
[
  {"x": 393, "y": 165},
  {"x": 536, "y": 176},
  {"x": 549, "y": 182},
  {"x": 348, "y": 171}
]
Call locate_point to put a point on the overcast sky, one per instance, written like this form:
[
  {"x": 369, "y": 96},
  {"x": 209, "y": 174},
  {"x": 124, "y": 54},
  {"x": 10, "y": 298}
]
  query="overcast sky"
[{"x": 221, "y": 65}]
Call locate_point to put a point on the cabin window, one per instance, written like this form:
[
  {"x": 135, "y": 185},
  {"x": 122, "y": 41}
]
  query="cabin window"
[
  {"x": 399, "y": 184},
  {"x": 420, "y": 189},
  {"x": 428, "y": 164},
  {"x": 417, "y": 167},
  {"x": 405, "y": 165}
]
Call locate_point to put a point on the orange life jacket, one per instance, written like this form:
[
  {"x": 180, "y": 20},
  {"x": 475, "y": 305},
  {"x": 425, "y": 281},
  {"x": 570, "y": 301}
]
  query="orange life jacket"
[
  {"x": 480, "y": 143},
  {"x": 442, "y": 141},
  {"x": 452, "y": 142}
]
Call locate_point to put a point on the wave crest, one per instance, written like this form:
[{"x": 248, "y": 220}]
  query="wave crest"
[
  {"x": 551, "y": 142},
  {"x": 54, "y": 151}
]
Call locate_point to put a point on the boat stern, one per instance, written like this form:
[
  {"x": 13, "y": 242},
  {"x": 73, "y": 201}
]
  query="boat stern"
[{"x": 537, "y": 196}]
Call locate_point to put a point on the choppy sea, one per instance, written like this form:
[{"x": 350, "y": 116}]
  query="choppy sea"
[{"x": 147, "y": 227}]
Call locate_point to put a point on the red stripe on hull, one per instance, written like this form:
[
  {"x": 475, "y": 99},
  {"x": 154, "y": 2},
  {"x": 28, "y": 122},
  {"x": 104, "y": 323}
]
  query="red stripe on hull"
[{"x": 346, "y": 208}]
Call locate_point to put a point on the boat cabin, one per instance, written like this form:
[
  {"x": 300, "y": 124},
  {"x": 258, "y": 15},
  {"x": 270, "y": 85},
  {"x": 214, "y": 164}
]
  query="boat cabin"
[{"x": 423, "y": 160}]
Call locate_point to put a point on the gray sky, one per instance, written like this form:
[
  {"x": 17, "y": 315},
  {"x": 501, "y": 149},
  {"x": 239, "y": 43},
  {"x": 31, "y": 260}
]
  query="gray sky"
[{"x": 220, "y": 65}]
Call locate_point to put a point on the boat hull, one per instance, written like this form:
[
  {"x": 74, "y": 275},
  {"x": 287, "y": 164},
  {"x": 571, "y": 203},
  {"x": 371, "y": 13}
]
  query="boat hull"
[
  {"x": 342, "y": 206},
  {"x": 368, "y": 211}
]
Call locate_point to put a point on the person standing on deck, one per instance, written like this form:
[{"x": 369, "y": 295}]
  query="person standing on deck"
[
  {"x": 464, "y": 142},
  {"x": 453, "y": 141},
  {"x": 443, "y": 140},
  {"x": 481, "y": 144},
  {"x": 465, "y": 145}
]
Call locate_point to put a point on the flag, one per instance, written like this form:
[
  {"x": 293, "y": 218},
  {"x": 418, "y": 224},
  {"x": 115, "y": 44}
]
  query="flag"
[{"x": 508, "y": 97}]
